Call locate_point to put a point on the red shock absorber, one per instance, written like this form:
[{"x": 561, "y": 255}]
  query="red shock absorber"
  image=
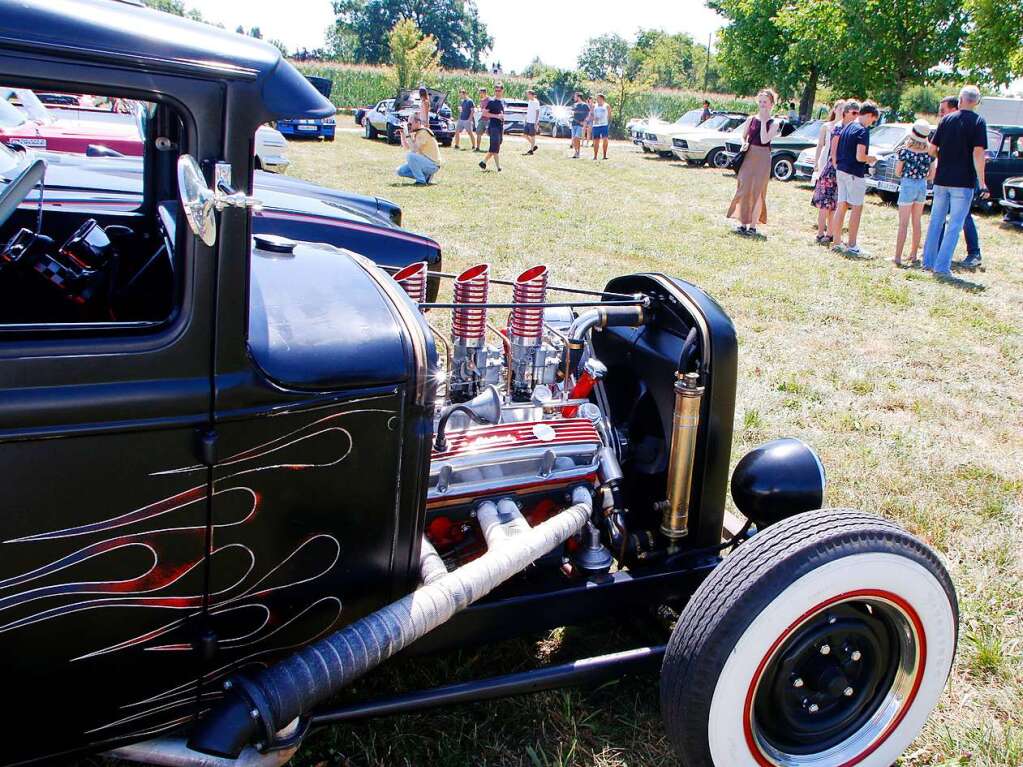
[
  {"x": 413, "y": 281},
  {"x": 593, "y": 370},
  {"x": 525, "y": 324},
  {"x": 469, "y": 324}
]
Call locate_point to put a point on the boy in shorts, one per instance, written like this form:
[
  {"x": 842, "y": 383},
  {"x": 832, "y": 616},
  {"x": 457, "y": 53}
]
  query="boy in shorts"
[
  {"x": 851, "y": 168},
  {"x": 465, "y": 121}
]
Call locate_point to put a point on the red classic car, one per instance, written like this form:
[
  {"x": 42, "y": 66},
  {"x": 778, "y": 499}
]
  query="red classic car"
[{"x": 32, "y": 125}]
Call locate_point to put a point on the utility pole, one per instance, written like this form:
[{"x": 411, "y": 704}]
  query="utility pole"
[{"x": 706, "y": 69}]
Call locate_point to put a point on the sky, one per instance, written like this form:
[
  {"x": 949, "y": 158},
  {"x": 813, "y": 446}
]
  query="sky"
[{"x": 522, "y": 29}]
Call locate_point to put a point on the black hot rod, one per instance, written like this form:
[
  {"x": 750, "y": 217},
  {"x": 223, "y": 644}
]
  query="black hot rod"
[{"x": 241, "y": 470}]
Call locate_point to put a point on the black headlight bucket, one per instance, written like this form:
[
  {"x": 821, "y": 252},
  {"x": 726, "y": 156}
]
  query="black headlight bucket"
[{"x": 777, "y": 480}]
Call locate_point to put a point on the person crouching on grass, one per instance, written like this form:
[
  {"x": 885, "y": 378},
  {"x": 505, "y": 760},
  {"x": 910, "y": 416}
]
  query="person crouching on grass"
[
  {"x": 494, "y": 117},
  {"x": 423, "y": 159},
  {"x": 601, "y": 124},
  {"x": 851, "y": 169},
  {"x": 915, "y": 165}
]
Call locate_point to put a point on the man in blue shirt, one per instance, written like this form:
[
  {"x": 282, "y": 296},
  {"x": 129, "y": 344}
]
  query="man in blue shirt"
[
  {"x": 852, "y": 159},
  {"x": 580, "y": 111},
  {"x": 959, "y": 143}
]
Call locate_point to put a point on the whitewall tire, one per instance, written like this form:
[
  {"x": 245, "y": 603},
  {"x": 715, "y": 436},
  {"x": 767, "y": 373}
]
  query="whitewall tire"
[{"x": 825, "y": 641}]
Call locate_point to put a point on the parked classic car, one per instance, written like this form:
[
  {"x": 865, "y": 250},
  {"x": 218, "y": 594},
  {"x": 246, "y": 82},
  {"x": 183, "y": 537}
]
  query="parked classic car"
[
  {"x": 388, "y": 116},
  {"x": 515, "y": 115},
  {"x": 645, "y": 131},
  {"x": 66, "y": 125},
  {"x": 238, "y": 475},
  {"x": 705, "y": 144},
  {"x": 555, "y": 120},
  {"x": 1012, "y": 200},
  {"x": 319, "y": 128}
]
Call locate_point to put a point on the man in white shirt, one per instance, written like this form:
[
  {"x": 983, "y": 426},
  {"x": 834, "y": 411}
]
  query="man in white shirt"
[{"x": 532, "y": 121}]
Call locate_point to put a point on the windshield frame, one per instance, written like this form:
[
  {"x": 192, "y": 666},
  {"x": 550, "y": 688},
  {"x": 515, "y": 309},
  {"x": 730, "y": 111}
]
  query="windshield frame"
[{"x": 874, "y": 139}]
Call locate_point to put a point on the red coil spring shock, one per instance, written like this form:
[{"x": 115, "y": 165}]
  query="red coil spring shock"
[
  {"x": 526, "y": 323},
  {"x": 468, "y": 324},
  {"x": 413, "y": 281}
]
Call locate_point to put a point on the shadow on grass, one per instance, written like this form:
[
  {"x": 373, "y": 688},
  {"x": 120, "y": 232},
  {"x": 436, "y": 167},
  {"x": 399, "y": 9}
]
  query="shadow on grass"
[{"x": 967, "y": 286}]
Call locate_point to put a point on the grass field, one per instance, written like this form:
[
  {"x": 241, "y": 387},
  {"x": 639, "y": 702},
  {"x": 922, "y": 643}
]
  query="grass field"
[{"x": 910, "y": 389}]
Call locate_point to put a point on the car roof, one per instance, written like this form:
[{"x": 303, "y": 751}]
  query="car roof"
[{"x": 124, "y": 34}]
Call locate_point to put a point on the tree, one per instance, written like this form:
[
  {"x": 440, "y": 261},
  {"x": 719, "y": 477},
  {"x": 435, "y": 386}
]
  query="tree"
[
  {"x": 175, "y": 7},
  {"x": 256, "y": 32},
  {"x": 413, "y": 54},
  {"x": 994, "y": 52},
  {"x": 865, "y": 47},
  {"x": 602, "y": 55},
  {"x": 240, "y": 29},
  {"x": 280, "y": 45},
  {"x": 666, "y": 60},
  {"x": 558, "y": 86},
  {"x": 461, "y": 37}
]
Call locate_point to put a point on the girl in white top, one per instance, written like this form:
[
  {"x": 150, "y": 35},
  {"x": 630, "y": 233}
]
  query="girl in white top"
[{"x": 601, "y": 124}]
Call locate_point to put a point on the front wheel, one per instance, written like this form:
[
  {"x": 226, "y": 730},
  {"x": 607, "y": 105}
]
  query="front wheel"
[
  {"x": 371, "y": 132},
  {"x": 825, "y": 640},
  {"x": 783, "y": 169},
  {"x": 718, "y": 159}
]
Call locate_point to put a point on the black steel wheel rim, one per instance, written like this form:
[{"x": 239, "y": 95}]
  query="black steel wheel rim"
[{"x": 841, "y": 677}]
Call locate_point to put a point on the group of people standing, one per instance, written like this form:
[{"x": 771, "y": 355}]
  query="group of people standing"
[
  {"x": 951, "y": 156},
  {"x": 591, "y": 121}
]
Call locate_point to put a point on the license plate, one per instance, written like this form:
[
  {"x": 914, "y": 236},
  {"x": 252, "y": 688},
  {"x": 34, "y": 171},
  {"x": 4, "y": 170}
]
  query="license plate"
[
  {"x": 308, "y": 127},
  {"x": 887, "y": 186}
]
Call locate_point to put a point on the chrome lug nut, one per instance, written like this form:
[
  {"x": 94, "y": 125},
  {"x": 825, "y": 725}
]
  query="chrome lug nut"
[
  {"x": 797, "y": 682},
  {"x": 825, "y": 649},
  {"x": 856, "y": 655},
  {"x": 254, "y": 713},
  {"x": 813, "y": 708},
  {"x": 848, "y": 692}
]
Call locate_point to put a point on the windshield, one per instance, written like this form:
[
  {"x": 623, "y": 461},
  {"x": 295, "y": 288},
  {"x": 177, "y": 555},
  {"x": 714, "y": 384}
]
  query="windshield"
[
  {"x": 10, "y": 116},
  {"x": 808, "y": 131},
  {"x": 715, "y": 123},
  {"x": 690, "y": 118},
  {"x": 887, "y": 135}
]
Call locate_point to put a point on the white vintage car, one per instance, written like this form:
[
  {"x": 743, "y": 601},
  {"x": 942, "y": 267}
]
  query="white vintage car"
[
  {"x": 705, "y": 145},
  {"x": 654, "y": 134}
]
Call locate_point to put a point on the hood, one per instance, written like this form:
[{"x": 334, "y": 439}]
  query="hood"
[{"x": 409, "y": 99}]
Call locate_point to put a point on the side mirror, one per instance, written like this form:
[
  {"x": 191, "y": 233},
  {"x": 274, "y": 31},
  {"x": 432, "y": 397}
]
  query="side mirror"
[{"x": 197, "y": 200}]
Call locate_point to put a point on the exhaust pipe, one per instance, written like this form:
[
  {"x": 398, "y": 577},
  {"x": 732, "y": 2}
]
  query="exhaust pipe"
[{"x": 258, "y": 707}]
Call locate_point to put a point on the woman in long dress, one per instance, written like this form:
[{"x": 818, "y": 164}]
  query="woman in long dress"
[{"x": 749, "y": 205}]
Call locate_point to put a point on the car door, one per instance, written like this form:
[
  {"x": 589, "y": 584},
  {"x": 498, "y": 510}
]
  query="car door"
[{"x": 1004, "y": 164}]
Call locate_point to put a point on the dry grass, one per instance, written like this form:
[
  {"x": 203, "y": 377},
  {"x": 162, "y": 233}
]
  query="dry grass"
[{"x": 910, "y": 389}]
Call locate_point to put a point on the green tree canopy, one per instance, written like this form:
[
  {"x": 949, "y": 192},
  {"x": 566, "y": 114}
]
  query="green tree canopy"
[
  {"x": 669, "y": 61},
  {"x": 994, "y": 50},
  {"x": 461, "y": 37},
  {"x": 862, "y": 47},
  {"x": 604, "y": 55},
  {"x": 413, "y": 54}
]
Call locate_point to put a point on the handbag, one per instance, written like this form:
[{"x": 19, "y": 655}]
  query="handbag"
[{"x": 736, "y": 162}]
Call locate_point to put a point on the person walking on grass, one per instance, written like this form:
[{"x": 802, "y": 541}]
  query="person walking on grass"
[
  {"x": 494, "y": 116},
  {"x": 465, "y": 121},
  {"x": 853, "y": 156},
  {"x": 948, "y": 105},
  {"x": 532, "y": 121},
  {"x": 825, "y": 185},
  {"x": 959, "y": 143},
  {"x": 601, "y": 115},
  {"x": 580, "y": 113},
  {"x": 749, "y": 204},
  {"x": 481, "y": 124},
  {"x": 914, "y": 164},
  {"x": 423, "y": 159}
]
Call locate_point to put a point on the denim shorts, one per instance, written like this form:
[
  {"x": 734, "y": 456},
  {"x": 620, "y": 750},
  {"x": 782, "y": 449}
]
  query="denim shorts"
[
  {"x": 577, "y": 131},
  {"x": 912, "y": 190},
  {"x": 599, "y": 131}
]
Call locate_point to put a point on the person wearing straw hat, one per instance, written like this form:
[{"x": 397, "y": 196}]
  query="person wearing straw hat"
[{"x": 915, "y": 165}]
